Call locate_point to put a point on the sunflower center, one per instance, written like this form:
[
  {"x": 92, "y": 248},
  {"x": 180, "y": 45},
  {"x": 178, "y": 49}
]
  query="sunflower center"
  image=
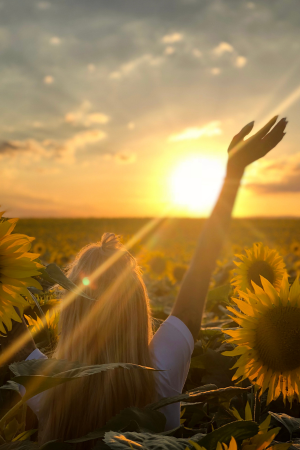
[
  {"x": 260, "y": 268},
  {"x": 277, "y": 338}
]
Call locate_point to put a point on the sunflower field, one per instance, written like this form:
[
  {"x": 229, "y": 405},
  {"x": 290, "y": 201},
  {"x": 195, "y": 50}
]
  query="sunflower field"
[{"x": 242, "y": 390}]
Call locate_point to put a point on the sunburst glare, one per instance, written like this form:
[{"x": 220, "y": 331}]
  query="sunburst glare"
[{"x": 195, "y": 184}]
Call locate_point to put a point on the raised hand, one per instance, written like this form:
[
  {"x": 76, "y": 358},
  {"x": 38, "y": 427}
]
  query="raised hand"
[{"x": 242, "y": 152}]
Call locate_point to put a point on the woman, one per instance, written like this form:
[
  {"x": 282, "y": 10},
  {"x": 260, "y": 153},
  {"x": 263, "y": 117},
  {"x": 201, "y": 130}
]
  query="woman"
[{"x": 117, "y": 326}]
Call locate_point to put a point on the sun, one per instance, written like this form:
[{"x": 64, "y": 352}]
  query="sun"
[{"x": 195, "y": 184}]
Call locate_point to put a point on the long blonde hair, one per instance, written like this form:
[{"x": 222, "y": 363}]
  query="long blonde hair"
[{"x": 116, "y": 327}]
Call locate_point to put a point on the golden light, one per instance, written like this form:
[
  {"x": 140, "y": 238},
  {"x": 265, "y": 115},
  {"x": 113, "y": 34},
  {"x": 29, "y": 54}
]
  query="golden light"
[{"x": 195, "y": 184}]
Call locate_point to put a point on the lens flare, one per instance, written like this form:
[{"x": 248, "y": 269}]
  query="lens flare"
[{"x": 85, "y": 281}]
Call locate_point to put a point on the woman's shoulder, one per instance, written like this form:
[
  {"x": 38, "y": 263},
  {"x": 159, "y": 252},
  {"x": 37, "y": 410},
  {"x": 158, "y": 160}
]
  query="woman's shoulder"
[{"x": 172, "y": 331}]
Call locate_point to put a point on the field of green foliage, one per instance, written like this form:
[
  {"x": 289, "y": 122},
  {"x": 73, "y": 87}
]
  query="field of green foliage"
[{"x": 216, "y": 412}]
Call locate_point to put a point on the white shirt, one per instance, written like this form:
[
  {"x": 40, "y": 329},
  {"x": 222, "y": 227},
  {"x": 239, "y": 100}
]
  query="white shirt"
[{"x": 170, "y": 349}]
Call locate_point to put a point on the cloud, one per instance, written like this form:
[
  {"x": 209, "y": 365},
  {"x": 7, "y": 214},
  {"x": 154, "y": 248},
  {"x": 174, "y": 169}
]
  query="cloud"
[
  {"x": 48, "y": 79},
  {"x": 43, "y": 5},
  {"x": 278, "y": 176},
  {"x": 196, "y": 53},
  {"x": 215, "y": 71},
  {"x": 169, "y": 50},
  {"x": 51, "y": 149},
  {"x": 209, "y": 130},
  {"x": 290, "y": 185},
  {"x": 84, "y": 116},
  {"x": 13, "y": 148},
  {"x": 172, "y": 38},
  {"x": 131, "y": 66},
  {"x": 85, "y": 137},
  {"x": 37, "y": 124},
  {"x": 240, "y": 61},
  {"x": 124, "y": 158},
  {"x": 120, "y": 157},
  {"x": 55, "y": 40},
  {"x": 131, "y": 126},
  {"x": 91, "y": 68},
  {"x": 223, "y": 47}
]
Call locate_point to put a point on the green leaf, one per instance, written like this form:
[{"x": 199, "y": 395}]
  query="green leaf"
[
  {"x": 145, "y": 441},
  {"x": 210, "y": 360},
  {"x": 57, "y": 275},
  {"x": 11, "y": 429},
  {"x": 56, "y": 445},
  {"x": 202, "y": 394},
  {"x": 20, "y": 445},
  {"x": 219, "y": 294},
  {"x": 30, "y": 373},
  {"x": 291, "y": 423},
  {"x": 24, "y": 435},
  {"x": 11, "y": 385},
  {"x": 145, "y": 419},
  {"x": 240, "y": 430}
]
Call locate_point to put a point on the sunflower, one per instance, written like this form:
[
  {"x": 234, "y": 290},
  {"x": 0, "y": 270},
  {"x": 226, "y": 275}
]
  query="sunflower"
[
  {"x": 39, "y": 248},
  {"x": 37, "y": 325},
  {"x": 260, "y": 441},
  {"x": 260, "y": 261},
  {"x": 17, "y": 267},
  {"x": 268, "y": 340}
]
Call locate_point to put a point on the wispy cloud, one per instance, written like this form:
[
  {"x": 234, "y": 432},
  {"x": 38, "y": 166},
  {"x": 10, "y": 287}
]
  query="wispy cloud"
[
  {"x": 223, "y": 47},
  {"x": 281, "y": 175},
  {"x": 91, "y": 68},
  {"x": 131, "y": 126},
  {"x": 131, "y": 66},
  {"x": 85, "y": 116},
  {"x": 55, "y": 40},
  {"x": 169, "y": 50},
  {"x": 209, "y": 130},
  {"x": 240, "y": 61},
  {"x": 196, "y": 52},
  {"x": 215, "y": 71},
  {"x": 14, "y": 148},
  {"x": 48, "y": 79},
  {"x": 60, "y": 151},
  {"x": 43, "y": 5},
  {"x": 124, "y": 158},
  {"x": 172, "y": 38}
]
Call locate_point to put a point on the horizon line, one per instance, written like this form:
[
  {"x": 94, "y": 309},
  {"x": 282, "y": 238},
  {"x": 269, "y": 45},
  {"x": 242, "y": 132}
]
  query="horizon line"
[{"x": 150, "y": 217}]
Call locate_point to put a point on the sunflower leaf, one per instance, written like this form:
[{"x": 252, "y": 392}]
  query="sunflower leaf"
[
  {"x": 57, "y": 276},
  {"x": 291, "y": 423},
  {"x": 30, "y": 373},
  {"x": 145, "y": 441},
  {"x": 203, "y": 393},
  {"x": 144, "y": 420},
  {"x": 240, "y": 430},
  {"x": 20, "y": 445}
]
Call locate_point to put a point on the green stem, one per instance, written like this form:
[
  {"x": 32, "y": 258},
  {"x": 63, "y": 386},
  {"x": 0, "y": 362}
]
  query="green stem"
[
  {"x": 256, "y": 416},
  {"x": 10, "y": 413},
  {"x": 252, "y": 401}
]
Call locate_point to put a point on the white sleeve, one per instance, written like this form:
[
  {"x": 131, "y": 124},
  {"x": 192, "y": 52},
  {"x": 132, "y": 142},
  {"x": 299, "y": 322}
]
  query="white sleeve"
[
  {"x": 34, "y": 402},
  {"x": 171, "y": 349}
]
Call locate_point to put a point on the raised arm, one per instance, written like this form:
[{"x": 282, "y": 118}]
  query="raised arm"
[{"x": 190, "y": 302}]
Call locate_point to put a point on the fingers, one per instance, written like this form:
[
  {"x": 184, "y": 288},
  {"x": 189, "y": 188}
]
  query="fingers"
[
  {"x": 265, "y": 129},
  {"x": 275, "y": 136},
  {"x": 240, "y": 136}
]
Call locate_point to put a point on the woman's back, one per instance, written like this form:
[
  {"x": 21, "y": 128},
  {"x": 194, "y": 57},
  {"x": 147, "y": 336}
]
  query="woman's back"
[{"x": 114, "y": 327}]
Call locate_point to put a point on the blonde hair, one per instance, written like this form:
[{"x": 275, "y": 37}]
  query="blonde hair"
[{"x": 116, "y": 327}]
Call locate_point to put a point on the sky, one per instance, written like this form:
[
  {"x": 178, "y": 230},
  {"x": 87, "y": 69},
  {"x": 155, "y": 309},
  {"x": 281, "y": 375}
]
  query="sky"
[{"x": 125, "y": 108}]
